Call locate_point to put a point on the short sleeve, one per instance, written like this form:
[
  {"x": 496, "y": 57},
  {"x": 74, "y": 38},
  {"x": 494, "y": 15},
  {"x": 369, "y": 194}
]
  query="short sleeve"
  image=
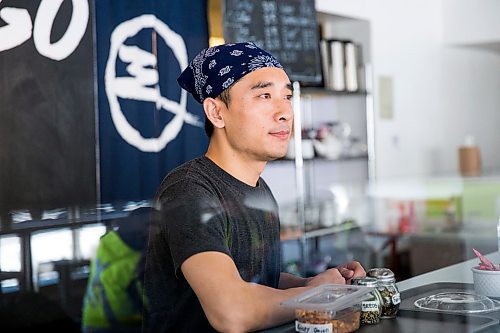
[{"x": 191, "y": 217}]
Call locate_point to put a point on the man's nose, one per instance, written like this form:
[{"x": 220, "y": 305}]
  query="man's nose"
[{"x": 285, "y": 111}]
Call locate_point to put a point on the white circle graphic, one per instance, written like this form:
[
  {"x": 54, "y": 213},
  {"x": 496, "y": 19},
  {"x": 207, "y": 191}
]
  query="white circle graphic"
[{"x": 142, "y": 84}]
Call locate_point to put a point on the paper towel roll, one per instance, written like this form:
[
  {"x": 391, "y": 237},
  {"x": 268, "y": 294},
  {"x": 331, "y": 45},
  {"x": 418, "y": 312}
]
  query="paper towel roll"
[
  {"x": 470, "y": 161},
  {"x": 351, "y": 67},
  {"x": 338, "y": 74}
]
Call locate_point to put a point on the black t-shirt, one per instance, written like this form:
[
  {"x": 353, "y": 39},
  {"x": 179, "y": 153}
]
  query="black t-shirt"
[{"x": 202, "y": 208}]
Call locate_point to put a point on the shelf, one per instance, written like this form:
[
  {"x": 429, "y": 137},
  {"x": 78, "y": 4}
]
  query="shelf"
[
  {"x": 317, "y": 106},
  {"x": 293, "y": 234},
  {"x": 340, "y": 159},
  {"x": 321, "y": 91}
]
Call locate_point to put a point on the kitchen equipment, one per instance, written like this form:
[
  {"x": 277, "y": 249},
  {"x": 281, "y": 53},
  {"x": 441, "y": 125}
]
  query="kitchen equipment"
[{"x": 331, "y": 140}]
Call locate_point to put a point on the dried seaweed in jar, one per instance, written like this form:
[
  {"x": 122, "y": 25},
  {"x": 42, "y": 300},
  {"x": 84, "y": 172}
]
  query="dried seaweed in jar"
[
  {"x": 370, "y": 317},
  {"x": 391, "y": 298},
  {"x": 388, "y": 290},
  {"x": 371, "y": 308}
]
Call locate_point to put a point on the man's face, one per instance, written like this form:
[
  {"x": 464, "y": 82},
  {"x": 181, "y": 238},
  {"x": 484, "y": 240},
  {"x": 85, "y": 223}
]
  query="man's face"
[{"x": 258, "y": 120}]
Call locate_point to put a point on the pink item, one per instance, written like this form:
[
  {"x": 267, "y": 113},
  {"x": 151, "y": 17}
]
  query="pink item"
[{"x": 485, "y": 263}]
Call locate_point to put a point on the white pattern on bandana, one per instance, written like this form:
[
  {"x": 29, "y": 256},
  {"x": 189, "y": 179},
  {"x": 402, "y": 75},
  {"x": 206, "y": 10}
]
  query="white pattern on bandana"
[
  {"x": 263, "y": 61},
  {"x": 225, "y": 70},
  {"x": 199, "y": 78},
  {"x": 227, "y": 83},
  {"x": 236, "y": 53}
]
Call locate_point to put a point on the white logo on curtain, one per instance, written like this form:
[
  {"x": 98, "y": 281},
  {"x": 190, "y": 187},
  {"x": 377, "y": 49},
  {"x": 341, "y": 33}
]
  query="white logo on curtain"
[{"x": 142, "y": 84}]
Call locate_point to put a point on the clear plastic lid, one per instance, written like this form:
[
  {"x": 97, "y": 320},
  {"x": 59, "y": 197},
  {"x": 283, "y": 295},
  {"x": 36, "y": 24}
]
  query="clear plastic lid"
[
  {"x": 458, "y": 302},
  {"x": 329, "y": 297}
]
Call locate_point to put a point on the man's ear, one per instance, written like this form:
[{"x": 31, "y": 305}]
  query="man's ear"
[{"x": 213, "y": 108}]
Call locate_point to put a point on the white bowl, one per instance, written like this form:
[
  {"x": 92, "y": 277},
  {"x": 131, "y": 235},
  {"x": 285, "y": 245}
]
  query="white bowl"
[{"x": 486, "y": 282}]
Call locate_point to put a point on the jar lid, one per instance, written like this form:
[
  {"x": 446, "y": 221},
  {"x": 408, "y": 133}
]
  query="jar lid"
[
  {"x": 382, "y": 274},
  {"x": 458, "y": 302},
  {"x": 365, "y": 281}
]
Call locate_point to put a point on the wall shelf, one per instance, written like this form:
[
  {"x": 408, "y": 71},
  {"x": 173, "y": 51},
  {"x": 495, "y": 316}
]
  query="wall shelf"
[
  {"x": 322, "y": 159},
  {"x": 294, "y": 234},
  {"x": 318, "y": 178},
  {"x": 321, "y": 91}
]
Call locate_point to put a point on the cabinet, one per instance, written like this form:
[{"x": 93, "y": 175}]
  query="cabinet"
[{"x": 328, "y": 191}]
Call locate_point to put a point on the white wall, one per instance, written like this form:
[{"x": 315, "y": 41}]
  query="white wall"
[
  {"x": 471, "y": 21},
  {"x": 442, "y": 91}
]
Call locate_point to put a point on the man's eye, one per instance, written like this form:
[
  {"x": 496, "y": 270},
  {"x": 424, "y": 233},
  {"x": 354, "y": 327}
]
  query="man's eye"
[
  {"x": 289, "y": 97},
  {"x": 266, "y": 95}
]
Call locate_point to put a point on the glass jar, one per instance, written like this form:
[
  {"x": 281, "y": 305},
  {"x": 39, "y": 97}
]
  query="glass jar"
[
  {"x": 386, "y": 285},
  {"x": 371, "y": 308}
]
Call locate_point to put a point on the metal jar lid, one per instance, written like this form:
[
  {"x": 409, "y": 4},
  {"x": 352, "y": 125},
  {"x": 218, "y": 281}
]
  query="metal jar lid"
[
  {"x": 365, "y": 281},
  {"x": 382, "y": 274}
]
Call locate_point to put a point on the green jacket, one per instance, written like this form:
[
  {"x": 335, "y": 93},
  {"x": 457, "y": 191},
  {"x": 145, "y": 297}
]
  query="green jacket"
[{"x": 113, "y": 298}]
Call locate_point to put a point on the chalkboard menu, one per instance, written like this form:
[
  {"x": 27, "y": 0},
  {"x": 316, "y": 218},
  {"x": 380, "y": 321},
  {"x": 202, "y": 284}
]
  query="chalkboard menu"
[{"x": 286, "y": 28}]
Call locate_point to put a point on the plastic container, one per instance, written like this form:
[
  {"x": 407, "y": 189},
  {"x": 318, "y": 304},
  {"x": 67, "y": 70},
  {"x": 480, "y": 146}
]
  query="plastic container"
[{"x": 330, "y": 308}]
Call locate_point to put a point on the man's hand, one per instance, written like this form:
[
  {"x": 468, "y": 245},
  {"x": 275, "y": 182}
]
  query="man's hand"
[
  {"x": 331, "y": 275},
  {"x": 342, "y": 274},
  {"x": 350, "y": 270}
]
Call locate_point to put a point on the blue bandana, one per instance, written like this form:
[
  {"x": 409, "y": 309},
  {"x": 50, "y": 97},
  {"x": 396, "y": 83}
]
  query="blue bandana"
[{"x": 216, "y": 68}]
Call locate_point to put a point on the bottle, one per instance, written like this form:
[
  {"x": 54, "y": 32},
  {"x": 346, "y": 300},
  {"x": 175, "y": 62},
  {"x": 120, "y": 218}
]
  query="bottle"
[
  {"x": 498, "y": 221},
  {"x": 371, "y": 308},
  {"x": 404, "y": 223},
  {"x": 469, "y": 158},
  {"x": 498, "y": 234},
  {"x": 386, "y": 285}
]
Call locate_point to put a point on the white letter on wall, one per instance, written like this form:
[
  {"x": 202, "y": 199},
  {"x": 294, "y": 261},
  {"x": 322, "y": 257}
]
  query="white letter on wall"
[
  {"x": 44, "y": 20},
  {"x": 18, "y": 28}
]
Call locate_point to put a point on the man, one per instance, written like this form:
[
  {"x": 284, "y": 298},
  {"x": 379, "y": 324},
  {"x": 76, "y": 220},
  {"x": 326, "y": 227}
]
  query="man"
[{"x": 214, "y": 250}]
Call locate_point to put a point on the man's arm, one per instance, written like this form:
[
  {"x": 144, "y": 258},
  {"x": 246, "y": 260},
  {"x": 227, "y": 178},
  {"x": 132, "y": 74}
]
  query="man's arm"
[
  {"x": 234, "y": 305},
  {"x": 348, "y": 271},
  {"x": 288, "y": 280}
]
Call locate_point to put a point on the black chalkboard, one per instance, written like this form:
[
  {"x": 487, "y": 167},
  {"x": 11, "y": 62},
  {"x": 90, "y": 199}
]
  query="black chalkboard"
[
  {"x": 47, "y": 118},
  {"x": 286, "y": 28}
]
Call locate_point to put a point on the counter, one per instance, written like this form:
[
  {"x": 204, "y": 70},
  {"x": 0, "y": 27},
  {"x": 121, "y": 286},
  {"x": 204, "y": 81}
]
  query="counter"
[
  {"x": 458, "y": 273},
  {"x": 458, "y": 276}
]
